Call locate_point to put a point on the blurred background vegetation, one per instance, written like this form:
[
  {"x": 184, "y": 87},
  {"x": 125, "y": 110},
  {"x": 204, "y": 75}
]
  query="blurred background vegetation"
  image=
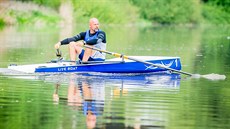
[{"x": 112, "y": 12}]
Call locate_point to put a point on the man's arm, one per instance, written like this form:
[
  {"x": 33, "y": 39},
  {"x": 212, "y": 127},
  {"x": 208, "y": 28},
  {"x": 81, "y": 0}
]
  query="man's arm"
[
  {"x": 75, "y": 38},
  {"x": 78, "y": 37}
]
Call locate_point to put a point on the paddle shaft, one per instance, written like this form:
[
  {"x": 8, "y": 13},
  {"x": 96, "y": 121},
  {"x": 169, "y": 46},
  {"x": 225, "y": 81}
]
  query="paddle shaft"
[{"x": 134, "y": 59}]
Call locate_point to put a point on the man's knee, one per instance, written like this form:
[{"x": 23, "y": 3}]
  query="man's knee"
[
  {"x": 88, "y": 50},
  {"x": 72, "y": 44}
]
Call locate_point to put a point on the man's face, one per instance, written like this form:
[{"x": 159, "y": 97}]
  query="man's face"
[{"x": 94, "y": 25}]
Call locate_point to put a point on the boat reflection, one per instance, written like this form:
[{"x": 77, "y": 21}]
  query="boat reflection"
[
  {"x": 89, "y": 93},
  {"x": 102, "y": 100},
  {"x": 160, "y": 79}
]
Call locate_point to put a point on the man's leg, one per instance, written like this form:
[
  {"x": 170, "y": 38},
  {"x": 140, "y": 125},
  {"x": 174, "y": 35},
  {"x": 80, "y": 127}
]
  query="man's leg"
[
  {"x": 87, "y": 54},
  {"x": 74, "y": 49}
]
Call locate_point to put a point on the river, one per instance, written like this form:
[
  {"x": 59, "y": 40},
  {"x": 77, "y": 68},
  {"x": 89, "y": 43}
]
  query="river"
[{"x": 114, "y": 100}]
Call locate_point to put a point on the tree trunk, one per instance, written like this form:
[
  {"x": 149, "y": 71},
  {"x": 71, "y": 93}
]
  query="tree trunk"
[{"x": 66, "y": 13}]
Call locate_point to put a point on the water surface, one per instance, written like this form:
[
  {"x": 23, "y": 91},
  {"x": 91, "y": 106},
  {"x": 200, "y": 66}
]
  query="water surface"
[{"x": 113, "y": 100}]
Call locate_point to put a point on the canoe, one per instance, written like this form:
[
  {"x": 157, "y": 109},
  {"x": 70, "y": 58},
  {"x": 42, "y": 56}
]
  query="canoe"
[{"x": 115, "y": 65}]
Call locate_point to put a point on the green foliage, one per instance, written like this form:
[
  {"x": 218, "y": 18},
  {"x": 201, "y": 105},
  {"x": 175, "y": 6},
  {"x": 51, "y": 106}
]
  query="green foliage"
[
  {"x": 111, "y": 12},
  {"x": 215, "y": 15},
  {"x": 33, "y": 17},
  {"x": 169, "y": 11},
  {"x": 2, "y": 23},
  {"x": 183, "y": 12},
  {"x": 126, "y": 12},
  {"x": 225, "y": 4},
  {"x": 216, "y": 11},
  {"x": 49, "y": 3}
]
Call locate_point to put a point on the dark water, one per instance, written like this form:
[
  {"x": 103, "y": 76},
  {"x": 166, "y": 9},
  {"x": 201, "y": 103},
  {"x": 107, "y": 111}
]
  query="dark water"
[{"x": 115, "y": 100}]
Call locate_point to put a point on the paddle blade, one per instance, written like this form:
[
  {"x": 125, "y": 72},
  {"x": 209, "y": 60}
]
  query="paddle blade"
[{"x": 212, "y": 76}]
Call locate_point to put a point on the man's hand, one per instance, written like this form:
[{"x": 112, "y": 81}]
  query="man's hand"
[
  {"x": 83, "y": 43},
  {"x": 57, "y": 45}
]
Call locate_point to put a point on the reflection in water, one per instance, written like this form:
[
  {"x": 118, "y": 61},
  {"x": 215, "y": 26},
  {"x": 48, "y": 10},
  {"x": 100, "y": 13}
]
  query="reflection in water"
[
  {"x": 142, "y": 99},
  {"x": 86, "y": 93},
  {"x": 112, "y": 101}
]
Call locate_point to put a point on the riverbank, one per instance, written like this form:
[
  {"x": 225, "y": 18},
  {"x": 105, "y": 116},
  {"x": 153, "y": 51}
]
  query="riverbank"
[
  {"x": 16, "y": 13},
  {"x": 109, "y": 12},
  {"x": 128, "y": 12}
]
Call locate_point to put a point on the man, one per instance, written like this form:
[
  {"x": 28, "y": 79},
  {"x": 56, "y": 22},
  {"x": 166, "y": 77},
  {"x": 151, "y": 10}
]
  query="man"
[{"x": 93, "y": 37}]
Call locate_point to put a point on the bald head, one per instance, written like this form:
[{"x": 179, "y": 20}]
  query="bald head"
[
  {"x": 91, "y": 20},
  {"x": 93, "y": 25}
]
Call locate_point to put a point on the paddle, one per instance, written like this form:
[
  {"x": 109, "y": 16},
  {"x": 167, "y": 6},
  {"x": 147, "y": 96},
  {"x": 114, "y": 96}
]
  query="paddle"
[{"x": 209, "y": 76}]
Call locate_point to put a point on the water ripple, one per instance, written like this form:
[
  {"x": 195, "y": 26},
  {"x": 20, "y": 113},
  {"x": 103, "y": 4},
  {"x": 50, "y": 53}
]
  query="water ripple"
[{"x": 79, "y": 101}]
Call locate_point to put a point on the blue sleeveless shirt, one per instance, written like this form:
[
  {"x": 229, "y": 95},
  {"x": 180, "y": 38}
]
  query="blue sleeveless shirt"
[
  {"x": 99, "y": 45},
  {"x": 87, "y": 37}
]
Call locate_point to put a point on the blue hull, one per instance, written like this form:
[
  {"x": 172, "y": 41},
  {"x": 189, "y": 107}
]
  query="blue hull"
[{"x": 117, "y": 67}]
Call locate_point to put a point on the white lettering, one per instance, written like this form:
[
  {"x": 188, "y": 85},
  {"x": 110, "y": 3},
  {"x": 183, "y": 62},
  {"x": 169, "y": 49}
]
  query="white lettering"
[
  {"x": 72, "y": 68},
  {"x": 61, "y": 69}
]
